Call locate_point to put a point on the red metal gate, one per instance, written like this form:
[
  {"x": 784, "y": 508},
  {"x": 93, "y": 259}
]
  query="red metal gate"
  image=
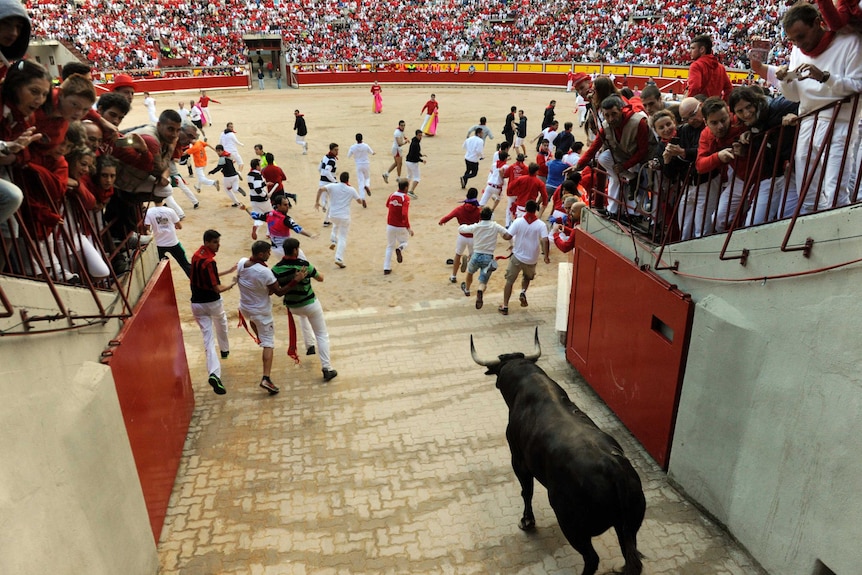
[
  {"x": 628, "y": 335},
  {"x": 148, "y": 362}
]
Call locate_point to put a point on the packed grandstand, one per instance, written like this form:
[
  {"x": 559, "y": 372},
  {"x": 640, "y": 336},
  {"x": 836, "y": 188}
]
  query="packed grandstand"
[{"x": 135, "y": 33}]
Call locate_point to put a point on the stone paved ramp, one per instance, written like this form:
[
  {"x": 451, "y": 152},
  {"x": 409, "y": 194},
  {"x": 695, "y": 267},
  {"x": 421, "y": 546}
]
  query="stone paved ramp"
[{"x": 400, "y": 464}]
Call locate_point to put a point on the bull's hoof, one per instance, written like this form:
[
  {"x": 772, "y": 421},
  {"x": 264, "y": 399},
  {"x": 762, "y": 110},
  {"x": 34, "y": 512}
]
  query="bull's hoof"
[{"x": 527, "y": 524}]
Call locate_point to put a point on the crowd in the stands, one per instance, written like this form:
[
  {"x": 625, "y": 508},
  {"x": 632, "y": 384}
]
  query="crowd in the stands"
[{"x": 134, "y": 34}]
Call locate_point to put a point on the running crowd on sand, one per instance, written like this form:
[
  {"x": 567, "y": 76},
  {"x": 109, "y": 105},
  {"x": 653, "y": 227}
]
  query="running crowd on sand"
[
  {"x": 85, "y": 193},
  {"x": 134, "y": 34}
]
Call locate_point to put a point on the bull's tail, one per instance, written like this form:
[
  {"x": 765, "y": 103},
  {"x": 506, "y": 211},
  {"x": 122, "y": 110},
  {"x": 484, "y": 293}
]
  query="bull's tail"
[{"x": 633, "y": 557}]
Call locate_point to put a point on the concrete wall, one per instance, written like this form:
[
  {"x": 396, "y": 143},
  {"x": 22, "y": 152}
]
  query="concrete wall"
[
  {"x": 768, "y": 429},
  {"x": 70, "y": 498}
]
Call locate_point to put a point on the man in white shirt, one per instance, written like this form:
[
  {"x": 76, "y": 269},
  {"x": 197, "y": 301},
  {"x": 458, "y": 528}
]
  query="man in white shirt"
[
  {"x": 341, "y": 195},
  {"x": 550, "y": 133},
  {"x": 230, "y": 143},
  {"x": 398, "y": 141},
  {"x": 485, "y": 234},
  {"x": 256, "y": 284},
  {"x": 361, "y": 152},
  {"x": 821, "y": 71},
  {"x": 163, "y": 223},
  {"x": 474, "y": 146},
  {"x": 196, "y": 116},
  {"x": 184, "y": 114},
  {"x": 150, "y": 105},
  {"x": 529, "y": 234}
]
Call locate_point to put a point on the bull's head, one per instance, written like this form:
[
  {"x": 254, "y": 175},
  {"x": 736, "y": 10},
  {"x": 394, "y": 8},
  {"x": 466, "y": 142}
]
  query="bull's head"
[{"x": 494, "y": 365}]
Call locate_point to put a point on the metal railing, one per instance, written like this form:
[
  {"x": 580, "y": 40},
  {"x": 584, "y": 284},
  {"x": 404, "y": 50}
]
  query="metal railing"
[
  {"x": 670, "y": 210},
  {"x": 67, "y": 255}
]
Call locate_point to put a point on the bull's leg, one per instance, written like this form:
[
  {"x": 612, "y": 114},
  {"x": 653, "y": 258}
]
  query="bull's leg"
[
  {"x": 528, "y": 521},
  {"x": 583, "y": 544},
  {"x": 578, "y": 536}
]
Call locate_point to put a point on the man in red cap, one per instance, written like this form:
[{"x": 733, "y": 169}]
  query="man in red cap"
[
  {"x": 124, "y": 85},
  {"x": 583, "y": 85}
]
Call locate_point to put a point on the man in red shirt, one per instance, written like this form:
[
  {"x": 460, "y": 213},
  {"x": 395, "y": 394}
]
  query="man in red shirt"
[
  {"x": 706, "y": 75},
  {"x": 626, "y": 141},
  {"x": 467, "y": 212},
  {"x": 398, "y": 229},
  {"x": 524, "y": 189},
  {"x": 717, "y": 148},
  {"x": 207, "y": 307},
  {"x": 273, "y": 175}
]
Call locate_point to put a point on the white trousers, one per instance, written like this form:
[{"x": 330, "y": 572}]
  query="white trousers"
[
  {"x": 181, "y": 184},
  {"x": 761, "y": 209},
  {"x": 728, "y": 203},
  {"x": 314, "y": 330},
  {"x": 231, "y": 184},
  {"x": 696, "y": 213},
  {"x": 615, "y": 191},
  {"x": 212, "y": 320},
  {"x": 202, "y": 178},
  {"x": 813, "y": 138},
  {"x": 363, "y": 176},
  {"x": 396, "y": 238},
  {"x": 338, "y": 236}
]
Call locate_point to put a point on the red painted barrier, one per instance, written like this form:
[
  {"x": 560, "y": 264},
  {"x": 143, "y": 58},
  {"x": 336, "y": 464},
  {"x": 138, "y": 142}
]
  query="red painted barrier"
[
  {"x": 628, "y": 335},
  {"x": 515, "y": 78},
  {"x": 174, "y": 84},
  {"x": 154, "y": 387}
]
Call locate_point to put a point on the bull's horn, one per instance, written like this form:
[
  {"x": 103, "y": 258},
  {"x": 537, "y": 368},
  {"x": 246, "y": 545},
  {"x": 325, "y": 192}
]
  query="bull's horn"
[
  {"x": 489, "y": 364},
  {"x": 538, "y": 349}
]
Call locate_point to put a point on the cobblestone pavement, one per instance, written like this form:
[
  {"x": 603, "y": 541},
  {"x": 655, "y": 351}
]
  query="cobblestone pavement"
[{"x": 400, "y": 464}]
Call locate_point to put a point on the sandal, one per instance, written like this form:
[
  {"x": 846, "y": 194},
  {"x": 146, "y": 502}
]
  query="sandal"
[{"x": 503, "y": 310}]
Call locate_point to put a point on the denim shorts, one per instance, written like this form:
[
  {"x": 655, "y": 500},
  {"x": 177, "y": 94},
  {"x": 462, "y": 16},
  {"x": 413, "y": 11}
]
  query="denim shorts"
[{"x": 484, "y": 264}]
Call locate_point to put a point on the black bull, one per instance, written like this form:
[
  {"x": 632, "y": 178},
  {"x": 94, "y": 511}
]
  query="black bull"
[{"x": 591, "y": 484}]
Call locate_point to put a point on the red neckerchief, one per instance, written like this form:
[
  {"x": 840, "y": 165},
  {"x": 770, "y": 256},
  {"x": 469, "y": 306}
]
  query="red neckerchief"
[
  {"x": 530, "y": 217},
  {"x": 667, "y": 141},
  {"x": 207, "y": 253},
  {"x": 824, "y": 43}
]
